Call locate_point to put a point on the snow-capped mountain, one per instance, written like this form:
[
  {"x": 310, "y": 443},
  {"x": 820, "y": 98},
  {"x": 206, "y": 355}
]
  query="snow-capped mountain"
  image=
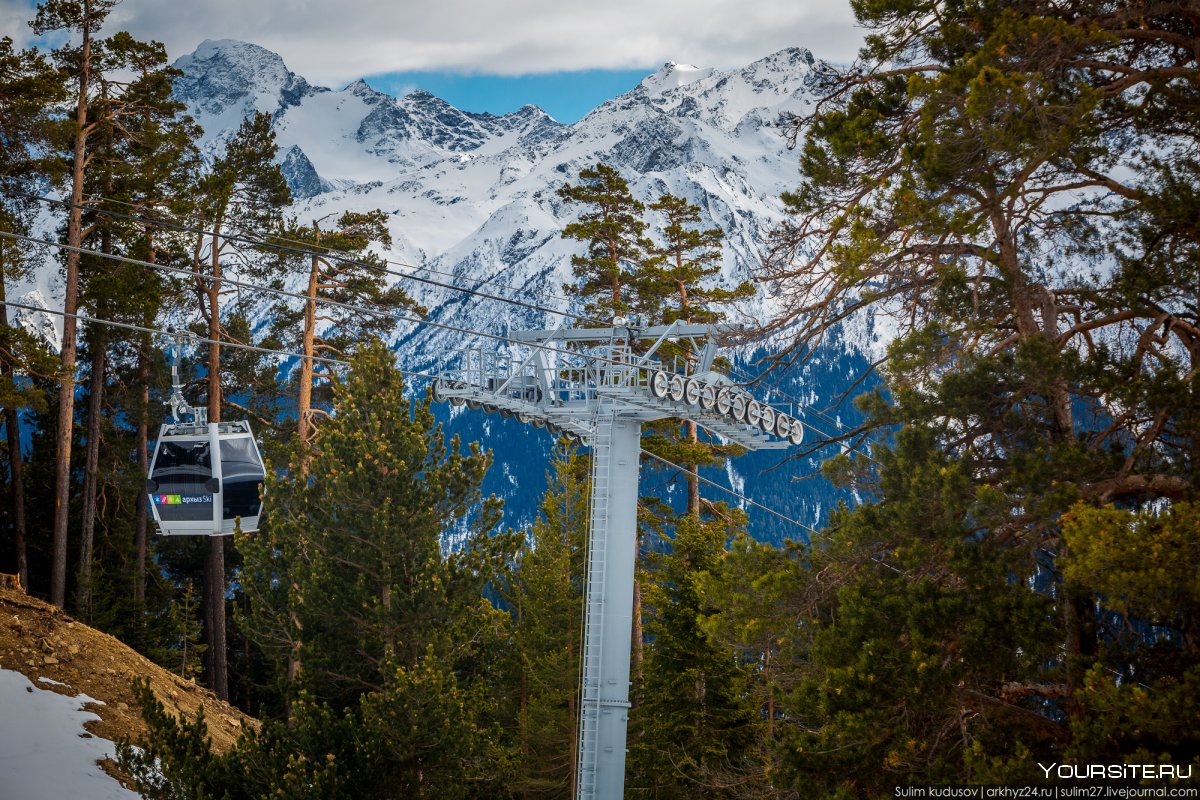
[{"x": 474, "y": 195}]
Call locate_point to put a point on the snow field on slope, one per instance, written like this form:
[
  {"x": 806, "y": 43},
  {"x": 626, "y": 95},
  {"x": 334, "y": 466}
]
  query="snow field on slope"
[{"x": 45, "y": 753}]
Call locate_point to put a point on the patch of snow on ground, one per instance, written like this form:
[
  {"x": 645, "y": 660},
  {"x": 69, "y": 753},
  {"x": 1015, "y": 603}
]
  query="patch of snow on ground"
[{"x": 43, "y": 752}]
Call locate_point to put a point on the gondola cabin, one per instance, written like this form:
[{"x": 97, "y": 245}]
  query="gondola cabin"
[{"x": 193, "y": 493}]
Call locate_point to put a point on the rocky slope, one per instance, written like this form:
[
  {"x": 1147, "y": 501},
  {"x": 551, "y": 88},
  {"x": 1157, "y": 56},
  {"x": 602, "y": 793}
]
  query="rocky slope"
[{"x": 64, "y": 655}]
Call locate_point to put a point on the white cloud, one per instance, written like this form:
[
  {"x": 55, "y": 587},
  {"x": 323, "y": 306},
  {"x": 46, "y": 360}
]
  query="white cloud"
[
  {"x": 14, "y": 18},
  {"x": 334, "y": 42}
]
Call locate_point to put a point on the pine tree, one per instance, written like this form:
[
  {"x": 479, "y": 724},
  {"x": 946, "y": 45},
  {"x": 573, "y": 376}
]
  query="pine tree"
[
  {"x": 82, "y": 64},
  {"x": 935, "y": 187},
  {"x": 683, "y": 261},
  {"x": 754, "y": 594},
  {"x": 895, "y": 648},
  {"x": 697, "y": 715},
  {"x": 675, "y": 282},
  {"x": 611, "y": 225},
  {"x": 182, "y": 650},
  {"x": 151, "y": 172},
  {"x": 664, "y": 282},
  {"x": 349, "y": 569},
  {"x": 967, "y": 175},
  {"x": 341, "y": 269},
  {"x": 243, "y": 188},
  {"x": 545, "y": 595},
  {"x": 29, "y": 89},
  {"x": 395, "y": 690},
  {"x": 140, "y": 148}
]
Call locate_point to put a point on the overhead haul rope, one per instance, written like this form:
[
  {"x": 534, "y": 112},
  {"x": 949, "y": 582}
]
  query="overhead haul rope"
[
  {"x": 310, "y": 250},
  {"x": 88, "y": 319},
  {"x": 396, "y": 316},
  {"x": 298, "y": 296},
  {"x": 393, "y": 261},
  {"x": 733, "y": 492}
]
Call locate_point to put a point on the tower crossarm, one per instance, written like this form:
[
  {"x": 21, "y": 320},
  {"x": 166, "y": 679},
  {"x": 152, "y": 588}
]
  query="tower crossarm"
[{"x": 561, "y": 377}]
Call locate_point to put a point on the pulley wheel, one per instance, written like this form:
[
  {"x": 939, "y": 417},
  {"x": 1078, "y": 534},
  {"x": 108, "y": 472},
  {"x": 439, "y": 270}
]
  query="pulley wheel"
[
  {"x": 754, "y": 411},
  {"x": 783, "y": 425},
  {"x": 724, "y": 401},
  {"x": 677, "y": 388},
  {"x": 708, "y": 396},
  {"x": 767, "y": 420},
  {"x": 737, "y": 408},
  {"x": 691, "y": 392},
  {"x": 659, "y": 384},
  {"x": 796, "y": 434}
]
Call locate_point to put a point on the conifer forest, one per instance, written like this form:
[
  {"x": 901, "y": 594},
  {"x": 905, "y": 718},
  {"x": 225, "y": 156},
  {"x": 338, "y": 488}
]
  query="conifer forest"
[{"x": 1012, "y": 580}]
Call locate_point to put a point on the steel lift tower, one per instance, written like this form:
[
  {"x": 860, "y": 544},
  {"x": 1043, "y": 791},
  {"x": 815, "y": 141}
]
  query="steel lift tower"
[{"x": 598, "y": 386}]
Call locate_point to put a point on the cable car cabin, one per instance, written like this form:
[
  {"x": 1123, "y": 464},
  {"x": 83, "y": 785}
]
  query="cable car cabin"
[{"x": 193, "y": 493}]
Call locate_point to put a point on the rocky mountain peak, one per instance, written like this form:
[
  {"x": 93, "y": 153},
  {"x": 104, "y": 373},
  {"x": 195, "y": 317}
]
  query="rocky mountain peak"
[
  {"x": 672, "y": 75},
  {"x": 368, "y": 94},
  {"x": 225, "y": 80}
]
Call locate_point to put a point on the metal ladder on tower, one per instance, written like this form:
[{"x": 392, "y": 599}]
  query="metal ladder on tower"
[{"x": 593, "y": 637}]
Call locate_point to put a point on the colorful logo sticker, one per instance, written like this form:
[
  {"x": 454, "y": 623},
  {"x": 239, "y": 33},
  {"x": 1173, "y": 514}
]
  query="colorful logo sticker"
[{"x": 182, "y": 499}]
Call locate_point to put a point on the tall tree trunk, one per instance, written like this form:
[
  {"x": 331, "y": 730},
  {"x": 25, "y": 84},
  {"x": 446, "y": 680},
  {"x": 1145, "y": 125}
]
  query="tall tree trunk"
[
  {"x": 638, "y": 653},
  {"x": 214, "y": 574},
  {"x": 91, "y": 464},
  {"x": 304, "y": 431},
  {"x": 141, "y": 520},
  {"x": 304, "y": 426},
  {"x": 87, "y": 526},
  {"x": 693, "y": 472},
  {"x": 12, "y": 425},
  {"x": 66, "y": 393},
  {"x": 693, "y": 477}
]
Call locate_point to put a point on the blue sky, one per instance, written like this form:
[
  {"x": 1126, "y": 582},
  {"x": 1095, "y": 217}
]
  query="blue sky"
[{"x": 566, "y": 56}]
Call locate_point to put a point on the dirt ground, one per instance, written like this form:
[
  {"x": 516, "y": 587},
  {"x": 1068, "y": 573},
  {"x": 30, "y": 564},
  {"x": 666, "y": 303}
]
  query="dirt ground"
[{"x": 39, "y": 641}]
